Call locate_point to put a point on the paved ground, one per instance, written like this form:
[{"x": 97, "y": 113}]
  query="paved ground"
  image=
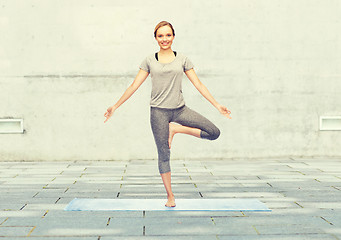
[{"x": 304, "y": 195}]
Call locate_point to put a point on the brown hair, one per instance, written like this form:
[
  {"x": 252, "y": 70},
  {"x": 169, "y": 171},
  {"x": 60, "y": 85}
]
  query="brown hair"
[{"x": 161, "y": 24}]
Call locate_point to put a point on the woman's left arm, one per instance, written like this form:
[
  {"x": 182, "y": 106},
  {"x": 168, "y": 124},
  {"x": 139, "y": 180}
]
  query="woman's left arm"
[{"x": 192, "y": 76}]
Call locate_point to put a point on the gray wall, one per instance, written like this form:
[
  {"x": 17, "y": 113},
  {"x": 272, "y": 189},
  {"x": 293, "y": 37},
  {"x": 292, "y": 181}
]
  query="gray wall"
[{"x": 274, "y": 63}]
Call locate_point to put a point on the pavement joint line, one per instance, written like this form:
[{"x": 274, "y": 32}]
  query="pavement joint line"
[
  {"x": 186, "y": 169},
  {"x": 195, "y": 185},
  {"x": 212, "y": 219},
  {"x": 23, "y": 207},
  {"x": 190, "y": 177},
  {"x": 144, "y": 214},
  {"x": 4, "y": 221},
  {"x": 301, "y": 172},
  {"x": 326, "y": 220},
  {"x": 269, "y": 184},
  {"x": 16, "y": 176},
  {"x": 118, "y": 194},
  {"x": 108, "y": 221},
  {"x": 254, "y": 227},
  {"x": 299, "y": 204},
  {"x": 200, "y": 194},
  {"x": 283, "y": 193},
  {"x": 31, "y": 231},
  {"x": 217, "y": 237},
  {"x": 121, "y": 185},
  {"x": 66, "y": 190},
  {"x": 211, "y": 173},
  {"x": 144, "y": 230},
  {"x": 85, "y": 169},
  {"x": 61, "y": 172},
  {"x": 99, "y": 238},
  {"x": 74, "y": 182},
  {"x": 290, "y": 166},
  {"x": 336, "y": 188},
  {"x": 57, "y": 200},
  {"x": 53, "y": 179},
  {"x": 317, "y": 180},
  {"x": 45, "y": 214},
  {"x": 320, "y": 170},
  {"x": 35, "y": 194}
]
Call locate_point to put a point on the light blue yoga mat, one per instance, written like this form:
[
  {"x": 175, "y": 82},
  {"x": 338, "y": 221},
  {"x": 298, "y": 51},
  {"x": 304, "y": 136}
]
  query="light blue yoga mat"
[{"x": 229, "y": 204}]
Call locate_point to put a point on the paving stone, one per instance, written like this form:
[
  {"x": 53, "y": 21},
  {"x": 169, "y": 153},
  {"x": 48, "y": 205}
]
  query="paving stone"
[
  {"x": 20, "y": 221},
  {"x": 328, "y": 205},
  {"x": 87, "y": 225},
  {"x": 288, "y": 229},
  {"x": 165, "y": 237},
  {"x": 57, "y": 238},
  {"x": 282, "y": 237},
  {"x": 24, "y": 214},
  {"x": 10, "y": 231},
  {"x": 179, "y": 226},
  {"x": 11, "y": 206},
  {"x": 272, "y": 220}
]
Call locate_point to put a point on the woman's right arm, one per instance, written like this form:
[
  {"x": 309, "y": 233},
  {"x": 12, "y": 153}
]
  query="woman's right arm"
[{"x": 139, "y": 79}]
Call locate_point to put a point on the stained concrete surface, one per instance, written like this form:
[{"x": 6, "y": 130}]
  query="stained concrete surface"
[{"x": 303, "y": 194}]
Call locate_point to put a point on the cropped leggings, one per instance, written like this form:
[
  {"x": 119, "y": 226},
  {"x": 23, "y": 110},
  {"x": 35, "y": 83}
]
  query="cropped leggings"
[{"x": 160, "y": 119}]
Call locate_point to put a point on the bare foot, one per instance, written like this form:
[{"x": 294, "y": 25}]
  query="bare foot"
[
  {"x": 172, "y": 132},
  {"x": 171, "y": 201}
]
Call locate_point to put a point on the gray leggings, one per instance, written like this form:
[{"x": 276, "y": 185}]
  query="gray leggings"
[{"x": 160, "y": 119}]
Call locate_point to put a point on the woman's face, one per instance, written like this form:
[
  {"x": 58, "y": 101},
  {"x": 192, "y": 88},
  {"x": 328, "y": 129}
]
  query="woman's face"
[{"x": 164, "y": 37}]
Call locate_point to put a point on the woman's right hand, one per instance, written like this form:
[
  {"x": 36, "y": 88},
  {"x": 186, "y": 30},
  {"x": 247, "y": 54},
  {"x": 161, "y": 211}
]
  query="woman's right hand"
[{"x": 109, "y": 113}]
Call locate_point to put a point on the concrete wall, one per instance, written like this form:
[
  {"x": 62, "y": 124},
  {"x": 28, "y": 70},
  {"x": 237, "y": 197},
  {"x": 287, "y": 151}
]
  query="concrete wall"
[{"x": 274, "y": 63}]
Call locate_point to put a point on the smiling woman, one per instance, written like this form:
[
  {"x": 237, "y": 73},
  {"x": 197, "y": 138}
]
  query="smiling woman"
[{"x": 166, "y": 68}]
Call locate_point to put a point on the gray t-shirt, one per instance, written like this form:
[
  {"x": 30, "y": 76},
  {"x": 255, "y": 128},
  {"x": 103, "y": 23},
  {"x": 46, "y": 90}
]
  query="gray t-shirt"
[{"x": 167, "y": 80}]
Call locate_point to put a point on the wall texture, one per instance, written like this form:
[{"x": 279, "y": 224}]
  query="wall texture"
[{"x": 276, "y": 64}]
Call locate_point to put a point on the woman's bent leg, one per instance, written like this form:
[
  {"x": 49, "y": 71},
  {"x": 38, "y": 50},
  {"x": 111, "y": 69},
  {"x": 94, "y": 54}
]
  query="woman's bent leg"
[
  {"x": 175, "y": 128},
  {"x": 191, "y": 119}
]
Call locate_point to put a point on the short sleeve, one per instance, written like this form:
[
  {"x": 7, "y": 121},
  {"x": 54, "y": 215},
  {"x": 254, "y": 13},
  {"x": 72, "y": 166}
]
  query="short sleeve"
[
  {"x": 188, "y": 64},
  {"x": 145, "y": 65}
]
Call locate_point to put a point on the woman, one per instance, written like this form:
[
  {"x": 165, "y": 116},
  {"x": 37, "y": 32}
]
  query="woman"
[{"x": 167, "y": 104}]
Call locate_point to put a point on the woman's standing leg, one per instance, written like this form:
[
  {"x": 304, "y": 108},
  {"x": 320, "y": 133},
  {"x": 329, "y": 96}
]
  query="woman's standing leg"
[{"x": 159, "y": 119}]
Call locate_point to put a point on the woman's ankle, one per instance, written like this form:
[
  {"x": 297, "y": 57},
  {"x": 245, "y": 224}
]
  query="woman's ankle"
[{"x": 170, "y": 195}]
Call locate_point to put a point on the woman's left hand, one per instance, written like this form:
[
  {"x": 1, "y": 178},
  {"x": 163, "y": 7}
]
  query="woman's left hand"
[{"x": 223, "y": 110}]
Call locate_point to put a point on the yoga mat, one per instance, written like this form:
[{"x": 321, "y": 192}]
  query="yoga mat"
[{"x": 229, "y": 204}]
